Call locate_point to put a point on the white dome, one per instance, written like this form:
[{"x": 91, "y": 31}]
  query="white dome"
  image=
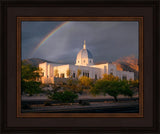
[
  {"x": 84, "y": 57},
  {"x": 84, "y": 53}
]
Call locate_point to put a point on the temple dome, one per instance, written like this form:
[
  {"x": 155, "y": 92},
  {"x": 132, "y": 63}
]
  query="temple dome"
[
  {"x": 84, "y": 57},
  {"x": 84, "y": 53}
]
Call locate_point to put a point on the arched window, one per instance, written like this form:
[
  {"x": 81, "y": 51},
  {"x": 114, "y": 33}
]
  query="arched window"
[
  {"x": 84, "y": 61},
  {"x": 90, "y": 61}
]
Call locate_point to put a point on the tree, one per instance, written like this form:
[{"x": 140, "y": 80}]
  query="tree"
[
  {"x": 68, "y": 72},
  {"x": 110, "y": 77},
  {"x": 85, "y": 82},
  {"x": 31, "y": 87},
  {"x": 29, "y": 75},
  {"x": 134, "y": 83},
  {"x": 113, "y": 87},
  {"x": 78, "y": 73},
  {"x": 29, "y": 72},
  {"x": 73, "y": 85},
  {"x": 56, "y": 73},
  {"x": 99, "y": 87}
]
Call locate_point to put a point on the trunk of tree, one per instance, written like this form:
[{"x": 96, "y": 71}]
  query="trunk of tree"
[{"x": 115, "y": 97}]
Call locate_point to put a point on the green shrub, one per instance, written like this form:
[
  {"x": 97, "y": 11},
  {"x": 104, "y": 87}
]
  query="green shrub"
[{"x": 64, "y": 97}]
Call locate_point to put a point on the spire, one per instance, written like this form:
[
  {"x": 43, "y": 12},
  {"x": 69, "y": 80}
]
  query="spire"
[{"x": 84, "y": 46}]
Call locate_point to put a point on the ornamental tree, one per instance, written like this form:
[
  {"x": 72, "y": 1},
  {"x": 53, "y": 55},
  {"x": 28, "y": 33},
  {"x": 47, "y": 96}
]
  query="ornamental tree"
[
  {"x": 78, "y": 73},
  {"x": 68, "y": 72},
  {"x": 111, "y": 86},
  {"x": 29, "y": 76}
]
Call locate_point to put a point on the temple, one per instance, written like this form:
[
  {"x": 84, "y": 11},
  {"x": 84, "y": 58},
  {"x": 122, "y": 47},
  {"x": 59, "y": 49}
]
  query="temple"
[{"x": 84, "y": 66}]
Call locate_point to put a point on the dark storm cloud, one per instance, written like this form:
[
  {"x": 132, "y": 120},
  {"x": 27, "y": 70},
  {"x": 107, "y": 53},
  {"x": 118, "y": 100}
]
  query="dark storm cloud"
[
  {"x": 33, "y": 33},
  {"x": 107, "y": 41}
]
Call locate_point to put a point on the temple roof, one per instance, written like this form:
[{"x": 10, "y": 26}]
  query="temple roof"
[{"x": 84, "y": 53}]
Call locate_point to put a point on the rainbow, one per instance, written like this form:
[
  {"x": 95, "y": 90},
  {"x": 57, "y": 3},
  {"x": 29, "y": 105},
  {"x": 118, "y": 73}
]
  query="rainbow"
[{"x": 48, "y": 36}]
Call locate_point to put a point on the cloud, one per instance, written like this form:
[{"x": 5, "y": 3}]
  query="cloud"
[{"x": 106, "y": 40}]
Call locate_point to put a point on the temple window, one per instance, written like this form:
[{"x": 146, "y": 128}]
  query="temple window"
[{"x": 86, "y": 74}]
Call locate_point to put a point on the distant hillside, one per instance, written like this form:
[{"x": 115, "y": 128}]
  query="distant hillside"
[
  {"x": 35, "y": 61},
  {"x": 129, "y": 63}
]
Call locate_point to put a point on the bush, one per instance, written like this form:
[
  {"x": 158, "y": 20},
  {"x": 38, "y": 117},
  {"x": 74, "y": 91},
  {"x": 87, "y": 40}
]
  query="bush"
[{"x": 64, "y": 97}]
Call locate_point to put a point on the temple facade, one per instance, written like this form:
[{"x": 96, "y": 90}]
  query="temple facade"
[{"x": 84, "y": 66}]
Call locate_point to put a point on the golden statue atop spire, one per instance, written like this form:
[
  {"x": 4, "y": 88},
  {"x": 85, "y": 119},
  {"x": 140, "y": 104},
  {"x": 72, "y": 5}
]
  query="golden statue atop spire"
[{"x": 84, "y": 46}]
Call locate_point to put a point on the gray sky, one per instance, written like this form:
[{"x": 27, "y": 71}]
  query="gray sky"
[{"x": 107, "y": 40}]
